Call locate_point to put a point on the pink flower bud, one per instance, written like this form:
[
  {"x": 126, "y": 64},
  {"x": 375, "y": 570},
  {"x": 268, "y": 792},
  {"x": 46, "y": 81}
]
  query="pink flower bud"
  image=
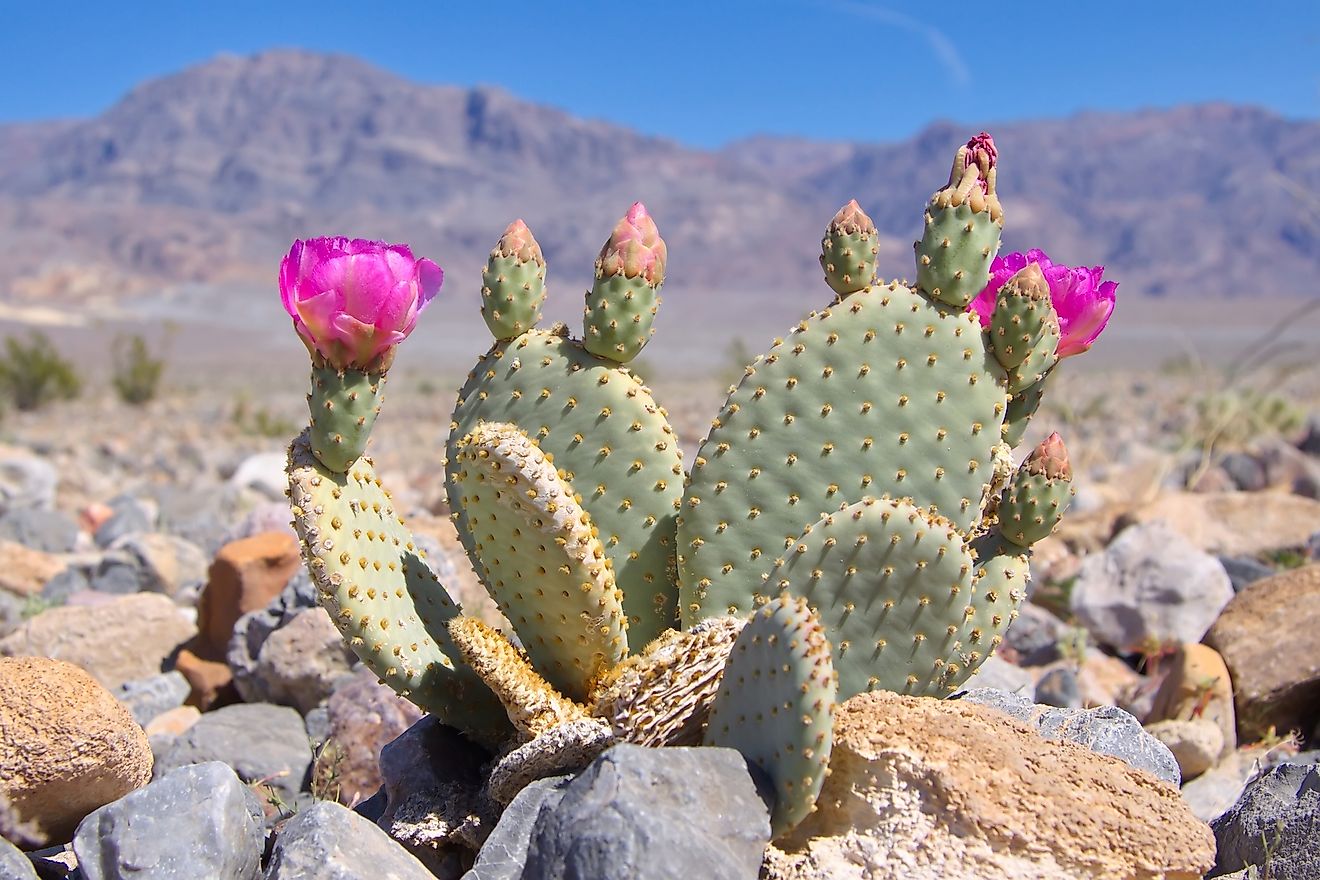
[
  {"x": 634, "y": 248},
  {"x": 1050, "y": 458},
  {"x": 353, "y": 300},
  {"x": 518, "y": 241},
  {"x": 1082, "y": 302},
  {"x": 981, "y": 152},
  {"x": 852, "y": 220}
]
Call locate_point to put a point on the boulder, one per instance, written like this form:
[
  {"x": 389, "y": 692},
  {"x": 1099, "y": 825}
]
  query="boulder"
[
  {"x": 46, "y": 530},
  {"x": 1235, "y": 523},
  {"x": 26, "y": 482},
  {"x": 504, "y": 854},
  {"x": 155, "y": 695},
  {"x": 653, "y": 813},
  {"x": 329, "y": 842},
  {"x": 1196, "y": 684},
  {"x": 1196, "y": 743},
  {"x": 367, "y": 719},
  {"x": 119, "y": 640},
  {"x": 66, "y": 745},
  {"x": 299, "y": 663},
  {"x": 1148, "y": 588},
  {"x": 1269, "y": 637},
  {"x": 24, "y": 571},
  {"x": 198, "y": 821},
  {"x": 923, "y": 789},
  {"x": 1275, "y": 823}
]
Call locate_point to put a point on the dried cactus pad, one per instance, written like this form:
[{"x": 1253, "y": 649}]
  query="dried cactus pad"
[
  {"x": 540, "y": 557},
  {"x": 884, "y": 394},
  {"x": 775, "y": 702},
  {"x": 609, "y": 441},
  {"x": 385, "y": 601}
]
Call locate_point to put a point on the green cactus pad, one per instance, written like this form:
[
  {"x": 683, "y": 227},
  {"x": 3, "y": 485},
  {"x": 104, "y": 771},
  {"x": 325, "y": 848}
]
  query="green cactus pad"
[
  {"x": 1022, "y": 317},
  {"x": 954, "y": 254},
  {"x": 775, "y": 704},
  {"x": 512, "y": 292},
  {"x": 540, "y": 557},
  {"x": 894, "y": 590},
  {"x": 1032, "y": 506},
  {"x": 388, "y": 605},
  {"x": 1039, "y": 361},
  {"x": 1002, "y": 571},
  {"x": 343, "y": 405},
  {"x": 1021, "y": 408},
  {"x": 884, "y": 393},
  {"x": 611, "y": 443},
  {"x": 618, "y": 317}
]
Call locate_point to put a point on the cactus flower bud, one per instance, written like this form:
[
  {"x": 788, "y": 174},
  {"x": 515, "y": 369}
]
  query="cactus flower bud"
[
  {"x": 981, "y": 152},
  {"x": 352, "y": 300},
  {"x": 1082, "y": 302},
  {"x": 634, "y": 248},
  {"x": 851, "y": 220},
  {"x": 1050, "y": 459},
  {"x": 519, "y": 243}
]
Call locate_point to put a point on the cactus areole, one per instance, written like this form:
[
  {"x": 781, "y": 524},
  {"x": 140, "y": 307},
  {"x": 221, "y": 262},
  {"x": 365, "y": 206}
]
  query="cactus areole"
[{"x": 852, "y": 521}]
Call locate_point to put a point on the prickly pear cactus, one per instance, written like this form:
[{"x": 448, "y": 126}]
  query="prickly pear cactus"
[{"x": 893, "y": 395}]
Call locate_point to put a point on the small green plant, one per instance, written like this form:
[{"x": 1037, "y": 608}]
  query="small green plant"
[
  {"x": 325, "y": 785},
  {"x": 34, "y": 373},
  {"x": 136, "y": 374}
]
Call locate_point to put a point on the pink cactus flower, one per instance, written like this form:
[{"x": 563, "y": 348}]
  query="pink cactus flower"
[
  {"x": 353, "y": 300},
  {"x": 1082, "y": 302},
  {"x": 634, "y": 248}
]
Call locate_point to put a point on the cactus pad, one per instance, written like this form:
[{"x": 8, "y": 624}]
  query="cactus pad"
[
  {"x": 387, "y": 604},
  {"x": 513, "y": 283},
  {"x": 894, "y": 590},
  {"x": 885, "y": 393},
  {"x": 848, "y": 250},
  {"x": 775, "y": 705},
  {"x": 540, "y": 557},
  {"x": 610, "y": 442},
  {"x": 343, "y": 405}
]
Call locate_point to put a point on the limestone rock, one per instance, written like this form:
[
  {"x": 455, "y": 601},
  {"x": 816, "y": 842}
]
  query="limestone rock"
[
  {"x": 66, "y": 745},
  {"x": 1269, "y": 637},
  {"x": 922, "y": 789},
  {"x": 1235, "y": 523},
  {"x": 1196, "y": 743},
  {"x": 124, "y": 639}
]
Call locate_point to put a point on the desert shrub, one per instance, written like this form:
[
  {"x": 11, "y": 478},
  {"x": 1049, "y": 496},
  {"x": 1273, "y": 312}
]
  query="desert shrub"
[
  {"x": 135, "y": 373},
  {"x": 33, "y": 373}
]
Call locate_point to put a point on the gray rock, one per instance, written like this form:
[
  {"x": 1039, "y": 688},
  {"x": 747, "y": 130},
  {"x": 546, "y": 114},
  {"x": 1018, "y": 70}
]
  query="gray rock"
[
  {"x": 13, "y": 864},
  {"x": 27, "y": 483},
  {"x": 269, "y": 516},
  {"x": 11, "y": 612},
  {"x": 148, "y": 697},
  {"x": 1243, "y": 571},
  {"x": 119, "y": 574},
  {"x": 1245, "y": 470},
  {"x": 1059, "y": 688},
  {"x": 198, "y": 821},
  {"x": 1107, "y": 730},
  {"x": 263, "y": 472},
  {"x": 1001, "y": 675},
  {"x": 1150, "y": 586},
  {"x": 1034, "y": 635},
  {"x": 299, "y": 663},
  {"x": 263, "y": 743},
  {"x": 197, "y": 516},
  {"x": 653, "y": 813},
  {"x": 317, "y": 722},
  {"x": 166, "y": 563},
  {"x": 59, "y": 588},
  {"x": 130, "y": 517},
  {"x": 331, "y": 842},
  {"x": 504, "y": 853},
  {"x": 253, "y": 628},
  {"x": 46, "y": 530},
  {"x": 1276, "y": 821}
]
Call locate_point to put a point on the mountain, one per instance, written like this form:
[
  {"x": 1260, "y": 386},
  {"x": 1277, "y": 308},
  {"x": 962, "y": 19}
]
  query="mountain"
[{"x": 201, "y": 179}]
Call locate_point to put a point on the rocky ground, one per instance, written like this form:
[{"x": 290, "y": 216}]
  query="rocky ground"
[{"x": 174, "y": 703}]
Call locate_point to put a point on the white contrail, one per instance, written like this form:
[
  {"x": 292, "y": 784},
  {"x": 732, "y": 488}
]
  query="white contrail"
[{"x": 944, "y": 50}]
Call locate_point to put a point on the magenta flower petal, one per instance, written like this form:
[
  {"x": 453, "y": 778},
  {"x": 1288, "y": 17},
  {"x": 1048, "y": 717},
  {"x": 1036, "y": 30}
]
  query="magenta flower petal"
[
  {"x": 1081, "y": 301},
  {"x": 353, "y": 300}
]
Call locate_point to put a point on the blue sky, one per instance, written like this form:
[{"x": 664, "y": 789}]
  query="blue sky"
[{"x": 708, "y": 72}]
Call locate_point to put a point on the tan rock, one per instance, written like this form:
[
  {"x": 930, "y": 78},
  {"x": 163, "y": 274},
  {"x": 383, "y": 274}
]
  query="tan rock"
[
  {"x": 1103, "y": 680},
  {"x": 24, "y": 571},
  {"x": 1269, "y": 637},
  {"x": 173, "y": 721},
  {"x": 124, "y": 639},
  {"x": 923, "y": 789},
  {"x": 67, "y": 746},
  {"x": 210, "y": 679},
  {"x": 1197, "y": 685},
  {"x": 245, "y": 576},
  {"x": 1196, "y": 743},
  {"x": 1235, "y": 523}
]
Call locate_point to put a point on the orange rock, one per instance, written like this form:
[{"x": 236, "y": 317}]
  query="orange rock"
[
  {"x": 173, "y": 722},
  {"x": 67, "y": 746},
  {"x": 1197, "y": 685},
  {"x": 211, "y": 680},
  {"x": 25, "y": 571},
  {"x": 245, "y": 576}
]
